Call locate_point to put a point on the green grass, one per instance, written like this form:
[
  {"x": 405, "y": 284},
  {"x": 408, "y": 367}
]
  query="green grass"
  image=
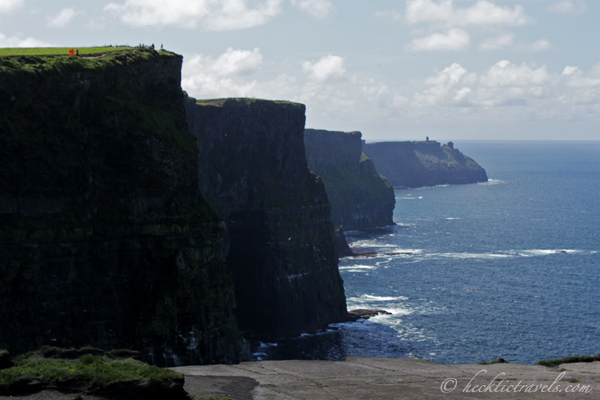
[
  {"x": 94, "y": 371},
  {"x": 498, "y": 361},
  {"x": 566, "y": 360},
  {"x": 247, "y": 100},
  {"x": 54, "y": 51}
]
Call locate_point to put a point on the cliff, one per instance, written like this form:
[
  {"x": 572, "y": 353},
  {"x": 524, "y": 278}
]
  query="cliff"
[
  {"x": 360, "y": 198},
  {"x": 416, "y": 164},
  {"x": 252, "y": 169},
  {"x": 105, "y": 237}
]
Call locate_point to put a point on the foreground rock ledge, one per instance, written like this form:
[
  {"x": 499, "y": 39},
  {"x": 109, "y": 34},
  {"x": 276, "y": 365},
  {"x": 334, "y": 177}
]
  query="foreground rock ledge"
[{"x": 387, "y": 378}]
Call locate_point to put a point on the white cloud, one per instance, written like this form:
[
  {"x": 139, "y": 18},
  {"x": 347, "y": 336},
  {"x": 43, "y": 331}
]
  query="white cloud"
[
  {"x": 225, "y": 15},
  {"x": 231, "y": 63},
  {"x": 237, "y": 61},
  {"x": 400, "y": 101},
  {"x": 327, "y": 67},
  {"x": 455, "y": 39},
  {"x": 568, "y": 7},
  {"x": 576, "y": 78},
  {"x": 481, "y": 13},
  {"x": 62, "y": 19},
  {"x": 441, "y": 86},
  {"x": 497, "y": 43},
  {"x": 506, "y": 41},
  {"x": 18, "y": 42},
  {"x": 504, "y": 73},
  {"x": 9, "y": 5},
  {"x": 571, "y": 70},
  {"x": 316, "y": 8}
]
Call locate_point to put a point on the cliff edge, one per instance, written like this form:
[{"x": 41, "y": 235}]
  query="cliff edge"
[
  {"x": 416, "y": 164},
  {"x": 105, "y": 237},
  {"x": 360, "y": 198},
  {"x": 252, "y": 169}
]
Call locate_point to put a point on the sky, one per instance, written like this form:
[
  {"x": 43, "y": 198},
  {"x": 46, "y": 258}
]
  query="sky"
[{"x": 392, "y": 69}]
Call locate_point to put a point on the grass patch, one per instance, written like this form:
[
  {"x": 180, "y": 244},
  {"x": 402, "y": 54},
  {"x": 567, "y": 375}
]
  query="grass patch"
[
  {"x": 498, "y": 361},
  {"x": 247, "y": 100},
  {"x": 94, "y": 371},
  {"x": 59, "y": 51},
  {"x": 567, "y": 360},
  {"x": 36, "y": 63}
]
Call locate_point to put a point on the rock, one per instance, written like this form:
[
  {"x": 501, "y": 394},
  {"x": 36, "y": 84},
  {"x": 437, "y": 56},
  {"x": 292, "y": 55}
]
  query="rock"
[
  {"x": 368, "y": 313},
  {"x": 342, "y": 245},
  {"x": 416, "y": 164},
  {"x": 5, "y": 361}
]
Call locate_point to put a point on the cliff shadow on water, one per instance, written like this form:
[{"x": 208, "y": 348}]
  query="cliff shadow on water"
[
  {"x": 105, "y": 238},
  {"x": 252, "y": 169}
]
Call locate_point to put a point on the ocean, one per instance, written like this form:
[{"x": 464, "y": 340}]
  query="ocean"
[{"x": 470, "y": 273}]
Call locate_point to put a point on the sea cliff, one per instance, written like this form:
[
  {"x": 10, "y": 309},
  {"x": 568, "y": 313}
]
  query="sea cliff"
[
  {"x": 360, "y": 198},
  {"x": 416, "y": 164},
  {"x": 252, "y": 168},
  {"x": 105, "y": 237}
]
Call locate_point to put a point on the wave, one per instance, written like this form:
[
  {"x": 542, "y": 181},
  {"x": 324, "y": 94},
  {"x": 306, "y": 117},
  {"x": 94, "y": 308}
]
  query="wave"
[
  {"x": 491, "y": 182},
  {"x": 359, "y": 267},
  {"x": 509, "y": 253},
  {"x": 472, "y": 255},
  {"x": 383, "y": 298}
]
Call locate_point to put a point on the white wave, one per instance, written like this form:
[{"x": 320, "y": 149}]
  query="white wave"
[
  {"x": 491, "y": 182},
  {"x": 544, "y": 252},
  {"x": 382, "y": 298},
  {"x": 451, "y": 218},
  {"x": 473, "y": 255},
  {"x": 369, "y": 243},
  {"x": 360, "y": 267}
]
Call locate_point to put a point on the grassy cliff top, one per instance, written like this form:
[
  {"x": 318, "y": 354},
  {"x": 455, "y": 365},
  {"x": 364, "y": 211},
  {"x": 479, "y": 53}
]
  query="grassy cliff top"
[
  {"x": 59, "y": 51},
  {"x": 34, "y": 59},
  {"x": 407, "y": 141},
  {"x": 247, "y": 100}
]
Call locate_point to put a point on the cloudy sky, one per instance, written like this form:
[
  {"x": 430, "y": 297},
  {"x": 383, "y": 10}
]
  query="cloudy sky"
[{"x": 393, "y": 69}]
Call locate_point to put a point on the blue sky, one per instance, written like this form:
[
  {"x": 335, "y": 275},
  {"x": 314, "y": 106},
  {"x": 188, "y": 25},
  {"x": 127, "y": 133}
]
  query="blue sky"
[{"x": 395, "y": 70}]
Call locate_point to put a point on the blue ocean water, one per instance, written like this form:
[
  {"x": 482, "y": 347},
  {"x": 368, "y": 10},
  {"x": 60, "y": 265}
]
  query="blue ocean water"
[{"x": 509, "y": 268}]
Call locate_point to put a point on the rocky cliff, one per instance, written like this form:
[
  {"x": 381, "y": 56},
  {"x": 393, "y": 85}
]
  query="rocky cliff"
[
  {"x": 105, "y": 239},
  {"x": 416, "y": 164},
  {"x": 360, "y": 198},
  {"x": 252, "y": 169}
]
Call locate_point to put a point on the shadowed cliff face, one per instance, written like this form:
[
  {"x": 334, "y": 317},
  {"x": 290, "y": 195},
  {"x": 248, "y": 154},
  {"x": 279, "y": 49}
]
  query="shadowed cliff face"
[
  {"x": 360, "y": 198},
  {"x": 252, "y": 169},
  {"x": 416, "y": 164},
  {"x": 105, "y": 238}
]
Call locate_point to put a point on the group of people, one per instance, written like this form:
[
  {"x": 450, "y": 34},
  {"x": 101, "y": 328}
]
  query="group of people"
[{"x": 73, "y": 52}]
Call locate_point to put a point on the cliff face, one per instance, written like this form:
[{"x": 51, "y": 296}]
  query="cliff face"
[
  {"x": 105, "y": 238},
  {"x": 416, "y": 164},
  {"x": 360, "y": 197},
  {"x": 252, "y": 169}
]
